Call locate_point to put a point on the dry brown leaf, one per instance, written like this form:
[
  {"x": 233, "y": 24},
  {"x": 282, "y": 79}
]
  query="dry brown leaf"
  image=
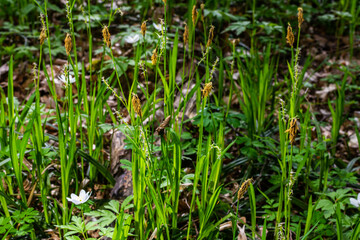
[{"x": 325, "y": 91}]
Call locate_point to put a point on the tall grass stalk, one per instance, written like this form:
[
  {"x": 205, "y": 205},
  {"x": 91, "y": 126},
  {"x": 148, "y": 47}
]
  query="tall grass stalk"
[
  {"x": 337, "y": 113},
  {"x": 288, "y": 133}
]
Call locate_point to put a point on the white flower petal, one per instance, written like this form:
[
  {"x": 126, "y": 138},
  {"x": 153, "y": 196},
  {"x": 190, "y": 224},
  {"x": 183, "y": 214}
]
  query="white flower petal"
[
  {"x": 82, "y": 194},
  {"x": 133, "y": 38},
  {"x": 77, "y": 202},
  {"x": 82, "y": 198},
  {"x": 358, "y": 198},
  {"x": 354, "y": 202},
  {"x": 74, "y": 196},
  {"x": 63, "y": 79},
  {"x": 71, "y": 79},
  {"x": 87, "y": 196},
  {"x": 157, "y": 26}
]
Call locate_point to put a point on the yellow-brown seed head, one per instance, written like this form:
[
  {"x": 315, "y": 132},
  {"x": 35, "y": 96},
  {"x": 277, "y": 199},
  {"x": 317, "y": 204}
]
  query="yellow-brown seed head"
[
  {"x": 154, "y": 57},
  {"x": 290, "y": 36},
  {"x": 300, "y": 16},
  {"x": 211, "y": 36},
  {"x": 106, "y": 36},
  {"x": 165, "y": 1},
  {"x": 186, "y": 35},
  {"x": 68, "y": 44},
  {"x": 194, "y": 14},
  {"x": 42, "y": 36},
  {"x": 292, "y": 130},
  {"x": 143, "y": 28},
  {"x": 244, "y": 187},
  {"x": 207, "y": 89},
  {"x": 136, "y": 104},
  {"x": 202, "y": 7}
]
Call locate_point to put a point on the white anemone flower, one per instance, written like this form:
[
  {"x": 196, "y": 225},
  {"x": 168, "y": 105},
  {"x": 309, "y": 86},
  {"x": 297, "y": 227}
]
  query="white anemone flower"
[
  {"x": 133, "y": 38},
  {"x": 157, "y": 26},
  {"x": 82, "y": 198},
  {"x": 64, "y": 80},
  {"x": 355, "y": 202}
]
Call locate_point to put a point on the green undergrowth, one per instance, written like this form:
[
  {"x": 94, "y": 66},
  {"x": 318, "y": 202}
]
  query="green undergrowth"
[{"x": 237, "y": 152}]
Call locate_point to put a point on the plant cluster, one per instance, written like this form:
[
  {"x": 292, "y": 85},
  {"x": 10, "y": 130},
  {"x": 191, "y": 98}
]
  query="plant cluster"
[{"x": 225, "y": 141}]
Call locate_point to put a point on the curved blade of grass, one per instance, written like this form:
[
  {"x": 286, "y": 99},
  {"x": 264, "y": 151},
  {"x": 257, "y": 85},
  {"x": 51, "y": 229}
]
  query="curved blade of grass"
[{"x": 98, "y": 166}]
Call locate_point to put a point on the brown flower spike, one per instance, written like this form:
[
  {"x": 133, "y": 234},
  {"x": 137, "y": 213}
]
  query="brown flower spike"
[
  {"x": 202, "y": 6},
  {"x": 300, "y": 16},
  {"x": 68, "y": 44},
  {"x": 106, "y": 36},
  {"x": 186, "y": 35},
  {"x": 244, "y": 187},
  {"x": 292, "y": 130},
  {"x": 143, "y": 28},
  {"x": 211, "y": 36},
  {"x": 136, "y": 104},
  {"x": 42, "y": 36},
  {"x": 207, "y": 89},
  {"x": 290, "y": 36},
  {"x": 194, "y": 14},
  {"x": 154, "y": 57}
]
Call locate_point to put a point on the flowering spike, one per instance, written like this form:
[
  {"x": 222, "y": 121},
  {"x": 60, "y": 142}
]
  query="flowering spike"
[
  {"x": 106, "y": 36},
  {"x": 300, "y": 16},
  {"x": 194, "y": 15},
  {"x": 292, "y": 130},
  {"x": 136, "y": 104},
  {"x": 290, "y": 36},
  {"x": 207, "y": 89},
  {"x": 143, "y": 28},
  {"x": 186, "y": 35},
  {"x": 42, "y": 36},
  {"x": 68, "y": 44},
  {"x": 154, "y": 57},
  {"x": 211, "y": 36},
  {"x": 244, "y": 187}
]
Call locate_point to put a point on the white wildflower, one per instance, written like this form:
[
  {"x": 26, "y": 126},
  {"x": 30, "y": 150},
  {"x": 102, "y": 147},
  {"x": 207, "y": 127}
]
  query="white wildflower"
[
  {"x": 133, "y": 38},
  {"x": 82, "y": 198},
  {"x": 64, "y": 79},
  {"x": 157, "y": 26},
  {"x": 355, "y": 202}
]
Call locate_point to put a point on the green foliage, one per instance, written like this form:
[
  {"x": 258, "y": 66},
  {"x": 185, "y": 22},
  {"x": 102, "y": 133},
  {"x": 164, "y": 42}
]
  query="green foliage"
[
  {"x": 20, "y": 224},
  {"x": 181, "y": 186},
  {"x": 102, "y": 220}
]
